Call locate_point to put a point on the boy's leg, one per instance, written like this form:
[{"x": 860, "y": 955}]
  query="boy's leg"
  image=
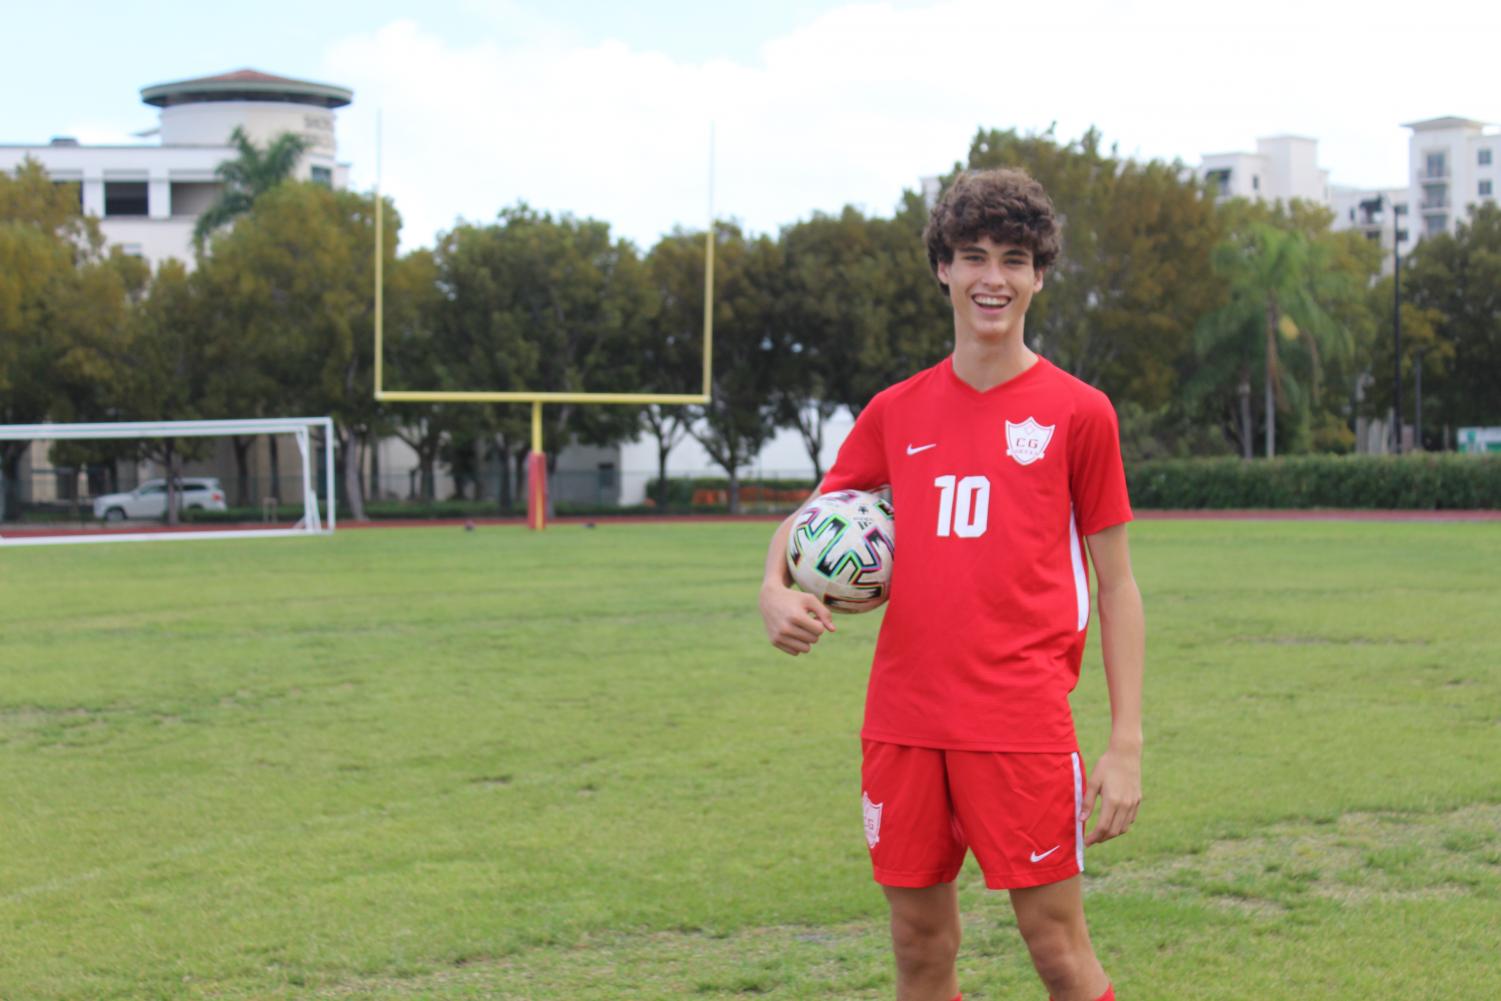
[
  {"x": 1051, "y": 920},
  {"x": 925, "y": 941},
  {"x": 916, "y": 850}
]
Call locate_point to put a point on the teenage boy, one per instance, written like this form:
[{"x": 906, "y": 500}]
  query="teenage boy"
[{"x": 1004, "y": 471}]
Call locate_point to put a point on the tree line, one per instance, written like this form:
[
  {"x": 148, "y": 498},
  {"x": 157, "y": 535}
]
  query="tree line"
[{"x": 1217, "y": 328}]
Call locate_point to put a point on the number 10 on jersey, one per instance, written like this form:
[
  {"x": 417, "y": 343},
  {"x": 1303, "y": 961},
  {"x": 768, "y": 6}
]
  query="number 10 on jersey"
[{"x": 963, "y": 506}]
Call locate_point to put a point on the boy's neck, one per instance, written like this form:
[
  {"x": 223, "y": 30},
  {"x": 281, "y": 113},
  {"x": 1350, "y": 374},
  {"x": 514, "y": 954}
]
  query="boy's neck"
[{"x": 983, "y": 366}]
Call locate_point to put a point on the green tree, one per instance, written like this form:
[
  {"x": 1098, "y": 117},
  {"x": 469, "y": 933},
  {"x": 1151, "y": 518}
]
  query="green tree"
[
  {"x": 860, "y": 311},
  {"x": 741, "y": 414},
  {"x": 1278, "y": 323},
  {"x": 170, "y": 368},
  {"x": 64, "y": 307},
  {"x": 480, "y": 343},
  {"x": 1422, "y": 335},
  {"x": 413, "y": 359},
  {"x": 669, "y": 354},
  {"x": 1458, "y": 275},
  {"x": 296, "y": 275},
  {"x": 252, "y": 173},
  {"x": 534, "y": 302},
  {"x": 910, "y": 325},
  {"x": 1119, "y": 307}
]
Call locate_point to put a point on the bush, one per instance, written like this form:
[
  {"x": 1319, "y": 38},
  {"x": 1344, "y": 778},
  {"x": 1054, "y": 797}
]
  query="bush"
[{"x": 1412, "y": 482}]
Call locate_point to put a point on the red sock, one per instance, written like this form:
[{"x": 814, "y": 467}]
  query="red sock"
[{"x": 1109, "y": 994}]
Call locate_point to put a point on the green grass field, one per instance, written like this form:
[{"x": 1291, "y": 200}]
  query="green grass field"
[{"x": 424, "y": 763}]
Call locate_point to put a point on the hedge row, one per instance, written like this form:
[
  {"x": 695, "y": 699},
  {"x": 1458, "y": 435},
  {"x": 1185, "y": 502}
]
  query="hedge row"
[
  {"x": 710, "y": 491},
  {"x": 1421, "y": 482},
  {"x": 1416, "y": 482}
]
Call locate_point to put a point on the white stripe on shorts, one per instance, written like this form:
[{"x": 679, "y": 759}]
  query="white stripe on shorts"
[{"x": 1078, "y": 812}]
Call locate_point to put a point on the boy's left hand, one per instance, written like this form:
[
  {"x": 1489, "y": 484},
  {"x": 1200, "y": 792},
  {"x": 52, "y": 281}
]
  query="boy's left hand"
[{"x": 1116, "y": 783}]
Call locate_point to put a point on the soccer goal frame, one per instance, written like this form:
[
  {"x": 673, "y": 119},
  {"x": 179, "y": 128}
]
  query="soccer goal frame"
[{"x": 301, "y": 429}]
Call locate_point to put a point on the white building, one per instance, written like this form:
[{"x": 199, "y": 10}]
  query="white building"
[
  {"x": 1281, "y": 169},
  {"x": 147, "y": 197},
  {"x": 1453, "y": 164},
  {"x": 1370, "y": 210}
]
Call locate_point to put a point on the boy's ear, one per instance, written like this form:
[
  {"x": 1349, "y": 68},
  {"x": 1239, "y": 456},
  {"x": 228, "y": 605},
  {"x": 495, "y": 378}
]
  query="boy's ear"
[
  {"x": 943, "y": 273},
  {"x": 1039, "y": 273}
]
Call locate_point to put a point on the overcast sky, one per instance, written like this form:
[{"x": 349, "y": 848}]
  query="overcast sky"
[{"x": 604, "y": 109}]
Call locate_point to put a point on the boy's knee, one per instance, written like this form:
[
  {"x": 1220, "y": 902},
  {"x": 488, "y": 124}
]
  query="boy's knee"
[
  {"x": 1061, "y": 953},
  {"x": 923, "y": 940}
]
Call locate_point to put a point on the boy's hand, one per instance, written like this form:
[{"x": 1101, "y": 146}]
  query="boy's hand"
[
  {"x": 794, "y": 619},
  {"x": 1116, "y": 781}
]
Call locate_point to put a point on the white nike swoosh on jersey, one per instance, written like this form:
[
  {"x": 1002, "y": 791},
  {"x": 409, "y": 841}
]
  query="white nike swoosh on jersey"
[
  {"x": 914, "y": 449},
  {"x": 1038, "y": 858}
]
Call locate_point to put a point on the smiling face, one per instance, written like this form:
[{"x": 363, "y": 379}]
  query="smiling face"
[{"x": 990, "y": 285}]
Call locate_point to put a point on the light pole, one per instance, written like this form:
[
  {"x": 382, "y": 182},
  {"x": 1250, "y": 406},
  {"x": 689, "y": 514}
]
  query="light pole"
[{"x": 1397, "y": 327}]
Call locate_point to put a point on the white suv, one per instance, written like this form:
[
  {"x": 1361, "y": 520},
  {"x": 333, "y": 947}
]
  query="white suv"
[{"x": 149, "y": 500}]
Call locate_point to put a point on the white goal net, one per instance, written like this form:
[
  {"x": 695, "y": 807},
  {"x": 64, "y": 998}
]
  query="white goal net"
[{"x": 156, "y": 480}]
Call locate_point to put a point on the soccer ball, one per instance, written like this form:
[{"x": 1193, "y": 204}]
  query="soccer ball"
[{"x": 841, "y": 548}]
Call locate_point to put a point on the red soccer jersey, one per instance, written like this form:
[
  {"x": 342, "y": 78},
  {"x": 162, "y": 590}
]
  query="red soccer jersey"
[{"x": 989, "y": 607}]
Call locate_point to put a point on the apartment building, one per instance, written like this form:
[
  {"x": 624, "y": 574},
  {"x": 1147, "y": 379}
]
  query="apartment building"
[
  {"x": 1453, "y": 164},
  {"x": 148, "y": 196}
]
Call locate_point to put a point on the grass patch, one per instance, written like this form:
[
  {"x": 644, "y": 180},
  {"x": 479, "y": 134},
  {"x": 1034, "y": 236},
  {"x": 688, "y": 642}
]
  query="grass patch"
[{"x": 435, "y": 764}]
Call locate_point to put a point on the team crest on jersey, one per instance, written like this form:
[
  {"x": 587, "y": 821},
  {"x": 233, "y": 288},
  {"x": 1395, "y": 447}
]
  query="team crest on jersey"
[
  {"x": 872, "y": 819},
  {"x": 1028, "y": 441}
]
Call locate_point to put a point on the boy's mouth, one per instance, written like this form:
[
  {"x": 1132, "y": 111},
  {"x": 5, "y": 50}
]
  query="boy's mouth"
[{"x": 992, "y": 301}]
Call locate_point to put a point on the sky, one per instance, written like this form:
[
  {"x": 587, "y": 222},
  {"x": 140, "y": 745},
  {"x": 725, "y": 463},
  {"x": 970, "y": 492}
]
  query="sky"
[{"x": 605, "y": 110}]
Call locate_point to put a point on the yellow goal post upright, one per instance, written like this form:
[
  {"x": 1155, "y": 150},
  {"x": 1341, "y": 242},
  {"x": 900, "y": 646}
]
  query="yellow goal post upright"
[{"x": 536, "y": 494}]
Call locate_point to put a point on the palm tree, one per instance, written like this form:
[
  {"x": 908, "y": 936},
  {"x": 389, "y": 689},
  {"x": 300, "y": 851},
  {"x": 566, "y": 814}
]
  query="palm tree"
[
  {"x": 247, "y": 177},
  {"x": 1279, "y": 283}
]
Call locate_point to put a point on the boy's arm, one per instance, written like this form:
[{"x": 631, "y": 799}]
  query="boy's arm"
[
  {"x": 794, "y": 619},
  {"x": 1116, "y": 778}
]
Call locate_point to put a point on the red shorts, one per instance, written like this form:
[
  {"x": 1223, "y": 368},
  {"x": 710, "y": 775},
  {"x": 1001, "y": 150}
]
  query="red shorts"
[{"x": 1018, "y": 811}]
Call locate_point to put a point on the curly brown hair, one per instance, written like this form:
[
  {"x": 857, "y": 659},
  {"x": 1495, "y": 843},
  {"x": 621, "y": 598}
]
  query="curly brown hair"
[{"x": 1005, "y": 204}]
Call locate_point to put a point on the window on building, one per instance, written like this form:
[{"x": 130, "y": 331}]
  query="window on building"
[
  {"x": 1219, "y": 180},
  {"x": 124, "y": 198},
  {"x": 323, "y": 176},
  {"x": 1435, "y": 196},
  {"x": 1401, "y": 236},
  {"x": 1373, "y": 235},
  {"x": 1255, "y": 182},
  {"x": 1484, "y": 156},
  {"x": 1435, "y": 224},
  {"x": 1436, "y": 165},
  {"x": 192, "y": 198},
  {"x": 1485, "y": 189}
]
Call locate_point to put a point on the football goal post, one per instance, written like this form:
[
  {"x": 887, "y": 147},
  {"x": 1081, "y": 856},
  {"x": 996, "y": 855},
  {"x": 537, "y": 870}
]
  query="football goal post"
[
  {"x": 117, "y": 515},
  {"x": 536, "y": 490}
]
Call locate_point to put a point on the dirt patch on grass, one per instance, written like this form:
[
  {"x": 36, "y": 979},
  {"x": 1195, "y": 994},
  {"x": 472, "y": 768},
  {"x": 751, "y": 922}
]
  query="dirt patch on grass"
[{"x": 1358, "y": 858}]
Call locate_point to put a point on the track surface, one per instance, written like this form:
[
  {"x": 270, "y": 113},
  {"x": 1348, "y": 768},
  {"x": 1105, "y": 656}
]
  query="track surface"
[{"x": 1196, "y": 515}]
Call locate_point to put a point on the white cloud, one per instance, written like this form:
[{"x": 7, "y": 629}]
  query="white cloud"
[{"x": 861, "y": 101}]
